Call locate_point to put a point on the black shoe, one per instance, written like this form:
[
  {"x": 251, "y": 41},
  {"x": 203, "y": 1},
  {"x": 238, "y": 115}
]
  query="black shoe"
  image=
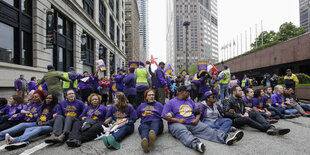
[
  {"x": 16, "y": 145},
  {"x": 289, "y": 116},
  {"x": 278, "y": 131},
  {"x": 276, "y": 117},
  {"x": 233, "y": 138},
  {"x": 73, "y": 143}
]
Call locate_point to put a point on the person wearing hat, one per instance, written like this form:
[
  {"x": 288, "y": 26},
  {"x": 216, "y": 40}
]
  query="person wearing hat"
[
  {"x": 237, "y": 110},
  {"x": 160, "y": 83},
  {"x": 183, "y": 117},
  {"x": 31, "y": 115},
  {"x": 290, "y": 80},
  {"x": 130, "y": 86},
  {"x": 74, "y": 77},
  {"x": 52, "y": 79},
  {"x": 142, "y": 84},
  {"x": 212, "y": 113},
  {"x": 119, "y": 80}
]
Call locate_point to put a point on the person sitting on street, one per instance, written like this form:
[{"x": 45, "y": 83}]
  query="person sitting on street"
[
  {"x": 4, "y": 109},
  {"x": 241, "y": 114},
  {"x": 43, "y": 125},
  {"x": 259, "y": 105},
  {"x": 183, "y": 117},
  {"x": 68, "y": 112},
  {"x": 291, "y": 101},
  {"x": 121, "y": 109},
  {"x": 89, "y": 124},
  {"x": 249, "y": 94},
  {"x": 275, "y": 113},
  {"x": 212, "y": 114},
  {"x": 151, "y": 123}
]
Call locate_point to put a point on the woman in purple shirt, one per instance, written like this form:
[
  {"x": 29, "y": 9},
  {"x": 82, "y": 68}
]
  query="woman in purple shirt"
[
  {"x": 120, "y": 110},
  {"x": 4, "y": 110},
  {"x": 30, "y": 118},
  {"x": 151, "y": 122},
  {"x": 17, "y": 104},
  {"x": 89, "y": 125}
]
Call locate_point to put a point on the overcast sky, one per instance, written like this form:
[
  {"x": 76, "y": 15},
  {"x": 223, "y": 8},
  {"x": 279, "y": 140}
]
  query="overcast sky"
[{"x": 234, "y": 17}]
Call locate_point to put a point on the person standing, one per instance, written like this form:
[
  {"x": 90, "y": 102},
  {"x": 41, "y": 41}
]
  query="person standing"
[
  {"x": 274, "y": 81},
  {"x": 245, "y": 83},
  {"x": 32, "y": 84},
  {"x": 119, "y": 80},
  {"x": 160, "y": 83},
  {"x": 224, "y": 79},
  {"x": 142, "y": 84},
  {"x": 195, "y": 87},
  {"x": 130, "y": 86},
  {"x": 233, "y": 81},
  {"x": 86, "y": 85},
  {"x": 74, "y": 80},
  {"x": 20, "y": 86},
  {"x": 52, "y": 79},
  {"x": 290, "y": 80}
]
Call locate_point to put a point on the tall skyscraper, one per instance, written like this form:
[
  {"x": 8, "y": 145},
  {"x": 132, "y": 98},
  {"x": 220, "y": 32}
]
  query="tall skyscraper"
[
  {"x": 304, "y": 13},
  {"x": 144, "y": 24},
  {"x": 202, "y": 32}
]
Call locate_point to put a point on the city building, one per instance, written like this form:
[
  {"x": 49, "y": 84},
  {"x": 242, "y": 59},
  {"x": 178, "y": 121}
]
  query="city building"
[
  {"x": 202, "y": 32},
  {"x": 144, "y": 24},
  {"x": 63, "y": 33},
  {"x": 132, "y": 19},
  {"x": 304, "y": 14}
]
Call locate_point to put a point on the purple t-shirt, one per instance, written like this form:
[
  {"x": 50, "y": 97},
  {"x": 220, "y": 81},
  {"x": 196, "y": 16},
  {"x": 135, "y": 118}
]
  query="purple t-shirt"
[
  {"x": 45, "y": 114},
  {"x": 16, "y": 110},
  {"x": 149, "y": 111},
  {"x": 73, "y": 109},
  {"x": 259, "y": 103},
  {"x": 182, "y": 109},
  {"x": 33, "y": 110},
  {"x": 97, "y": 113},
  {"x": 4, "y": 110},
  {"x": 277, "y": 98},
  {"x": 249, "y": 102},
  {"x": 130, "y": 113}
]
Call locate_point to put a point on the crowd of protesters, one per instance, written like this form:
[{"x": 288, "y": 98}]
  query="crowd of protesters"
[{"x": 76, "y": 108}]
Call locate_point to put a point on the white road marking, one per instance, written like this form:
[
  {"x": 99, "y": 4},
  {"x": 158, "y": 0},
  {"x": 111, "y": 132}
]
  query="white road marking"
[
  {"x": 2, "y": 146},
  {"x": 34, "y": 149}
]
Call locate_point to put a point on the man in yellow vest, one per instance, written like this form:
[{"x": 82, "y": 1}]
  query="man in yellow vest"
[
  {"x": 245, "y": 83},
  {"x": 290, "y": 80},
  {"x": 143, "y": 82},
  {"x": 224, "y": 79},
  {"x": 74, "y": 80}
]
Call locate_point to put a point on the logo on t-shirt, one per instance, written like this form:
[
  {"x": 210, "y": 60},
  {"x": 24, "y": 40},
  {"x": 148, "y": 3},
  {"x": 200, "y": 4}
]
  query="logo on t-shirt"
[{"x": 185, "y": 110}]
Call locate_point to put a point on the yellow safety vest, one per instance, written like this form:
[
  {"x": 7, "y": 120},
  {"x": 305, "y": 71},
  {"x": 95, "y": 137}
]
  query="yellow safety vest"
[
  {"x": 66, "y": 84},
  {"x": 141, "y": 75},
  {"x": 225, "y": 80}
]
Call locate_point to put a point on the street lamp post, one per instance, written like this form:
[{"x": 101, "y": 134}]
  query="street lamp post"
[{"x": 186, "y": 24}]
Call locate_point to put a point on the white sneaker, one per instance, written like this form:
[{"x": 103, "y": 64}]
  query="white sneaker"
[
  {"x": 8, "y": 139},
  {"x": 201, "y": 147}
]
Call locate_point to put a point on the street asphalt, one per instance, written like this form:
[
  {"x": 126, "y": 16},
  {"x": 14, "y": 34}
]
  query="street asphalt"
[{"x": 253, "y": 142}]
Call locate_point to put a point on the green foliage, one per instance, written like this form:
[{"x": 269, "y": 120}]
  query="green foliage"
[
  {"x": 267, "y": 36},
  {"x": 289, "y": 30},
  {"x": 191, "y": 70},
  {"x": 303, "y": 78}
]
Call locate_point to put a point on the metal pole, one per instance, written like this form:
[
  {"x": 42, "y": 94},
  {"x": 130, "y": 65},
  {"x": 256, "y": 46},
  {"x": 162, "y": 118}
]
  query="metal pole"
[{"x": 186, "y": 24}]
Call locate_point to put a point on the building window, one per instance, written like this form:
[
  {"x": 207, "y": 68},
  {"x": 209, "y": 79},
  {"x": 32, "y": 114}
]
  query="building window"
[
  {"x": 102, "y": 16},
  {"x": 111, "y": 28},
  {"x": 111, "y": 3},
  {"x": 62, "y": 55},
  {"x": 88, "y": 51},
  {"x": 128, "y": 28},
  {"x": 88, "y": 6},
  {"x": 16, "y": 30},
  {"x": 118, "y": 36},
  {"x": 117, "y": 9}
]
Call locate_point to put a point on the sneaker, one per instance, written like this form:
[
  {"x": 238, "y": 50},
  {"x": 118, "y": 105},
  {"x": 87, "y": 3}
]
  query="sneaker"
[
  {"x": 233, "y": 138},
  {"x": 16, "y": 145},
  {"x": 105, "y": 141},
  {"x": 277, "y": 117},
  {"x": 73, "y": 143},
  {"x": 297, "y": 115},
  {"x": 8, "y": 139},
  {"x": 275, "y": 131},
  {"x": 232, "y": 129},
  {"x": 152, "y": 137},
  {"x": 289, "y": 116},
  {"x": 112, "y": 141},
  {"x": 51, "y": 139},
  {"x": 201, "y": 147},
  {"x": 145, "y": 145}
]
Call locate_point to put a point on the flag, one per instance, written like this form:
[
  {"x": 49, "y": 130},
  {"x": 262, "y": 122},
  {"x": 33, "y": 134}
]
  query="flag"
[
  {"x": 184, "y": 72},
  {"x": 168, "y": 69},
  {"x": 202, "y": 66},
  {"x": 101, "y": 64},
  {"x": 133, "y": 64},
  {"x": 214, "y": 70},
  {"x": 113, "y": 87}
]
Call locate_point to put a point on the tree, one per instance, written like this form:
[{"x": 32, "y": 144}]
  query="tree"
[
  {"x": 289, "y": 30},
  {"x": 267, "y": 38}
]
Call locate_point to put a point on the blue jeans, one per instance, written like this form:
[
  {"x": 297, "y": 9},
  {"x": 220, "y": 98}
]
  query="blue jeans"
[
  {"x": 224, "y": 91},
  {"x": 306, "y": 107},
  {"x": 277, "y": 111},
  {"x": 145, "y": 128},
  {"x": 16, "y": 129},
  {"x": 265, "y": 115},
  {"x": 123, "y": 132},
  {"x": 33, "y": 132},
  {"x": 290, "y": 111},
  {"x": 222, "y": 124},
  {"x": 4, "y": 118}
]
